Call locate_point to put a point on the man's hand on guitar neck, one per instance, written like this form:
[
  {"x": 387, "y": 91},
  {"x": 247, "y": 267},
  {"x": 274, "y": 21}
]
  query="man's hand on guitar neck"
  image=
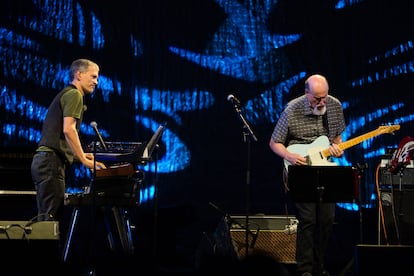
[{"x": 335, "y": 150}]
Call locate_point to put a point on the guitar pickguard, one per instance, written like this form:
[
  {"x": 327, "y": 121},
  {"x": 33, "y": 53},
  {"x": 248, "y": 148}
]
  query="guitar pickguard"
[
  {"x": 312, "y": 152},
  {"x": 316, "y": 158}
]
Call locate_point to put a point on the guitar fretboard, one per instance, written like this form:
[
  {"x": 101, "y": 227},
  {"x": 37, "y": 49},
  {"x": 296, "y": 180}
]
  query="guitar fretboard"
[{"x": 360, "y": 139}]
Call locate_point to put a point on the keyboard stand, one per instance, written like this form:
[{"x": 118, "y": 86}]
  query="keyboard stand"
[{"x": 115, "y": 210}]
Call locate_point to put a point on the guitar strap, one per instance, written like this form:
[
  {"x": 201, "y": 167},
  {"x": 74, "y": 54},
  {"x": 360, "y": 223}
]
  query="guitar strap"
[{"x": 325, "y": 121}]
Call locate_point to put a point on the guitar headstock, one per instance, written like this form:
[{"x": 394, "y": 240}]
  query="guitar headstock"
[{"x": 388, "y": 129}]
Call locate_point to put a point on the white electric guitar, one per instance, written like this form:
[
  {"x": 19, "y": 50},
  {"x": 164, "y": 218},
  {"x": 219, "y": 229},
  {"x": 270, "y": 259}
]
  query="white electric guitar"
[{"x": 317, "y": 152}]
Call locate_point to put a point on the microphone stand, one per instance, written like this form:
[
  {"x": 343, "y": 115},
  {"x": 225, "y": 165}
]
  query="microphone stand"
[
  {"x": 93, "y": 209},
  {"x": 155, "y": 229},
  {"x": 247, "y": 133},
  {"x": 361, "y": 169}
]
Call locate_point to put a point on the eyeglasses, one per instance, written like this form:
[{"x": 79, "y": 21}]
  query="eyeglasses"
[{"x": 317, "y": 99}]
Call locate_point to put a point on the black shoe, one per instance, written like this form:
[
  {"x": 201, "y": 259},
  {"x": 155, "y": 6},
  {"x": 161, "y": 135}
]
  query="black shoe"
[{"x": 325, "y": 273}]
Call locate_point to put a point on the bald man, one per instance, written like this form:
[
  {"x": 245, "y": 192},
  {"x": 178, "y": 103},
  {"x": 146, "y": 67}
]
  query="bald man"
[{"x": 304, "y": 119}]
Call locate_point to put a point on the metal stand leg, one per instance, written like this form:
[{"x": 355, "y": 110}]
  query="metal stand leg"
[
  {"x": 124, "y": 229},
  {"x": 73, "y": 221},
  {"x": 128, "y": 227},
  {"x": 108, "y": 231}
]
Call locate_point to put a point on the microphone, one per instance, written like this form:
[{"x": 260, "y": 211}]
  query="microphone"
[
  {"x": 233, "y": 99},
  {"x": 94, "y": 125}
]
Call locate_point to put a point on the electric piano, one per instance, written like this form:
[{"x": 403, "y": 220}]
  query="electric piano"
[
  {"x": 118, "y": 182},
  {"x": 120, "y": 179},
  {"x": 114, "y": 190},
  {"x": 116, "y": 187},
  {"x": 132, "y": 152},
  {"x": 117, "y": 152}
]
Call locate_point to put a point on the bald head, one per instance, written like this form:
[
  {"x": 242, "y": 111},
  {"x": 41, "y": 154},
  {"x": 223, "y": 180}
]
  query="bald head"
[
  {"x": 317, "y": 85},
  {"x": 316, "y": 90}
]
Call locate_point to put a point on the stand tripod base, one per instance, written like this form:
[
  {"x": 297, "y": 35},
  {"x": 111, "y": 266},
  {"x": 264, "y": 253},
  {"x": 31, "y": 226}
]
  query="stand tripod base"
[{"x": 122, "y": 226}]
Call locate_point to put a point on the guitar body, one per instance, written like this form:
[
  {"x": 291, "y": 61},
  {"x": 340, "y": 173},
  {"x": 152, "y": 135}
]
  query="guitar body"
[
  {"x": 402, "y": 155},
  {"x": 313, "y": 152}
]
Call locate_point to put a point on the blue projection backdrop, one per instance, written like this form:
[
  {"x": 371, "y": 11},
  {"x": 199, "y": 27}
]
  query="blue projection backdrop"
[{"x": 250, "y": 46}]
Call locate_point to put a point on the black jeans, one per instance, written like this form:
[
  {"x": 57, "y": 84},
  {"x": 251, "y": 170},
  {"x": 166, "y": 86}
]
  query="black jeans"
[
  {"x": 48, "y": 174},
  {"x": 313, "y": 233}
]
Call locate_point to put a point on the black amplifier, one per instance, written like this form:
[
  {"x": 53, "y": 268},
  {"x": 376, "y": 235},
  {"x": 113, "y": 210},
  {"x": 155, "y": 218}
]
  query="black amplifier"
[{"x": 403, "y": 179}]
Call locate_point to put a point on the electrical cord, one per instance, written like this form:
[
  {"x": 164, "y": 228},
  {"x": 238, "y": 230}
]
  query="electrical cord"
[{"x": 381, "y": 211}]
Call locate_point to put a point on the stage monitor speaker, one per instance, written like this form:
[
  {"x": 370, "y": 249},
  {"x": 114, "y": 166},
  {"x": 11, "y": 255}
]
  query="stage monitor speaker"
[
  {"x": 383, "y": 259},
  {"x": 274, "y": 236},
  {"x": 29, "y": 230},
  {"x": 32, "y": 243}
]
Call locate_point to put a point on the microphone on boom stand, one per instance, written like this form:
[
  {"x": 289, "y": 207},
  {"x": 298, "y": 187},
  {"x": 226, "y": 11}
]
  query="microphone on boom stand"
[{"x": 94, "y": 125}]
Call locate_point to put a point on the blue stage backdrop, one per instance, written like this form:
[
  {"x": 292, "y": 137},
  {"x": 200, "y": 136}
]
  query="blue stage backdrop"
[{"x": 179, "y": 62}]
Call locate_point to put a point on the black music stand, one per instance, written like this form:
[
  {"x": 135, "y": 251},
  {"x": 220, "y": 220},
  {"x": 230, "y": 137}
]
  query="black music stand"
[
  {"x": 322, "y": 184},
  {"x": 147, "y": 155}
]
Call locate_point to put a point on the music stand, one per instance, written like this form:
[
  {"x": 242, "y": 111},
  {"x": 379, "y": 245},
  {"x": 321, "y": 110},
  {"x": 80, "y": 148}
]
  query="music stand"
[
  {"x": 151, "y": 145},
  {"x": 146, "y": 156},
  {"x": 322, "y": 184}
]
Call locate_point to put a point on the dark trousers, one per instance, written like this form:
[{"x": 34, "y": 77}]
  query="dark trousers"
[
  {"x": 313, "y": 232},
  {"x": 48, "y": 174}
]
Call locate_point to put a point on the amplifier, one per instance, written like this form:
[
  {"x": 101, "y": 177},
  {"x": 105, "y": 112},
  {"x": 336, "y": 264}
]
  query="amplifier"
[
  {"x": 405, "y": 178},
  {"x": 271, "y": 235},
  {"x": 263, "y": 222},
  {"x": 29, "y": 230}
]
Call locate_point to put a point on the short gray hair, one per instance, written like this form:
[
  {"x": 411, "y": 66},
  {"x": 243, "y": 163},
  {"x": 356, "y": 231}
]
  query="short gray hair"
[{"x": 81, "y": 65}]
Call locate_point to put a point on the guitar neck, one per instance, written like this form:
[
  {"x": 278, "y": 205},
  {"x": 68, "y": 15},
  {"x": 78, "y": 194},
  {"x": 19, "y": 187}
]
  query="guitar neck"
[{"x": 353, "y": 142}]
